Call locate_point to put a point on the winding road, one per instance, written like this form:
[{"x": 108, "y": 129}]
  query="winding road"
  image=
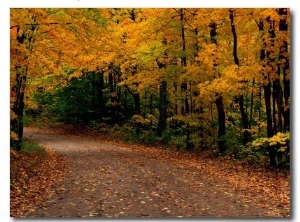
[{"x": 105, "y": 179}]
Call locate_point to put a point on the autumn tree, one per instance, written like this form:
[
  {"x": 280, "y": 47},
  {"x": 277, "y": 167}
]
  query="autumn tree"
[
  {"x": 241, "y": 96},
  {"x": 272, "y": 63},
  {"x": 37, "y": 38},
  {"x": 202, "y": 78},
  {"x": 23, "y": 37}
]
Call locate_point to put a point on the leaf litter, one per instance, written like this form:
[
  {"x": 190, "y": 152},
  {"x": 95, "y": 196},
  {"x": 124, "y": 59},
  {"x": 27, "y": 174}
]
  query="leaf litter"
[{"x": 246, "y": 185}]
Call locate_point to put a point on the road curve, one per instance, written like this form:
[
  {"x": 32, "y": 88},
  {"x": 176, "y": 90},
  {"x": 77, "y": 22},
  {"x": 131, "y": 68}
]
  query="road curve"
[{"x": 109, "y": 180}]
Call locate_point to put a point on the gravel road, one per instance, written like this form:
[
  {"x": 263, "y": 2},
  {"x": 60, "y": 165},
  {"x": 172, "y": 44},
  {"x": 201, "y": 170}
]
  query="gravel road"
[{"x": 104, "y": 179}]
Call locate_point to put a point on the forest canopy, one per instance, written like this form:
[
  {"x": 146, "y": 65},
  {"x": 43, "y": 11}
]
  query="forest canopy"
[{"x": 197, "y": 79}]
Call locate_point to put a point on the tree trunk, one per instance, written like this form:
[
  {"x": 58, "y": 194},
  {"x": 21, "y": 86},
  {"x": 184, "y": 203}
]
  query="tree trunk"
[
  {"x": 284, "y": 60},
  {"x": 136, "y": 97},
  {"x": 126, "y": 113},
  {"x": 18, "y": 108},
  {"x": 100, "y": 97},
  {"x": 270, "y": 63},
  {"x": 19, "y": 88},
  {"x": 279, "y": 100},
  {"x": 183, "y": 58},
  {"x": 151, "y": 104},
  {"x": 185, "y": 108},
  {"x": 251, "y": 104},
  {"x": 189, "y": 144},
  {"x": 137, "y": 103},
  {"x": 267, "y": 96},
  {"x": 245, "y": 124},
  {"x": 94, "y": 95},
  {"x": 175, "y": 92},
  {"x": 274, "y": 95},
  {"x": 112, "y": 94},
  {"x": 219, "y": 100},
  {"x": 110, "y": 78},
  {"x": 259, "y": 109},
  {"x": 271, "y": 149},
  {"x": 162, "y": 123},
  {"x": 246, "y": 135},
  {"x": 221, "y": 121}
]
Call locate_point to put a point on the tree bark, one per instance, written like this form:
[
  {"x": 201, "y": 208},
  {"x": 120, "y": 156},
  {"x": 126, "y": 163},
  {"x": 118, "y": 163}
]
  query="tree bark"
[
  {"x": 137, "y": 103},
  {"x": 219, "y": 100},
  {"x": 185, "y": 108},
  {"x": 221, "y": 121},
  {"x": 251, "y": 104},
  {"x": 100, "y": 98},
  {"x": 175, "y": 92},
  {"x": 18, "y": 108},
  {"x": 19, "y": 87},
  {"x": 245, "y": 123},
  {"x": 267, "y": 96},
  {"x": 136, "y": 98},
  {"x": 284, "y": 60},
  {"x": 162, "y": 123}
]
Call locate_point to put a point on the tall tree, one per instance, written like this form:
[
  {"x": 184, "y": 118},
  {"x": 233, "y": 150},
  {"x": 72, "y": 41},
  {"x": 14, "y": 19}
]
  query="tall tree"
[
  {"x": 244, "y": 116},
  {"x": 219, "y": 100},
  {"x": 25, "y": 38},
  {"x": 284, "y": 64}
]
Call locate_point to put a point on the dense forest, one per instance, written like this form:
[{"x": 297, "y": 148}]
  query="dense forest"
[{"x": 192, "y": 79}]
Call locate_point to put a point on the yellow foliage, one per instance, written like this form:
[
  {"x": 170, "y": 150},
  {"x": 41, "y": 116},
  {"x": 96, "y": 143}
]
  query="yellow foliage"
[
  {"x": 12, "y": 115},
  {"x": 279, "y": 138},
  {"x": 13, "y": 136}
]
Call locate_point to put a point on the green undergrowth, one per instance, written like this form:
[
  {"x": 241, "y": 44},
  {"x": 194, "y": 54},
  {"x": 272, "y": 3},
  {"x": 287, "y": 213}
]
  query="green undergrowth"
[{"x": 29, "y": 146}]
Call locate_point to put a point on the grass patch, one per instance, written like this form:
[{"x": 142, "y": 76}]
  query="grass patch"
[{"x": 29, "y": 146}]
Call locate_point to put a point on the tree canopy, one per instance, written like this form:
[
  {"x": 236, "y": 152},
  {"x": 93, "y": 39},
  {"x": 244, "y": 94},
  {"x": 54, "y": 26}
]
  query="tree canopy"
[{"x": 200, "y": 78}]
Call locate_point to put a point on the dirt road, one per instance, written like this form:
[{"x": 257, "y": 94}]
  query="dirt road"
[{"x": 104, "y": 179}]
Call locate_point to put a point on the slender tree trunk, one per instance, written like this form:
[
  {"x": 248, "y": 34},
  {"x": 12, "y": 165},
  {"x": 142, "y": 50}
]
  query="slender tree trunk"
[
  {"x": 196, "y": 43},
  {"x": 267, "y": 92},
  {"x": 18, "y": 89},
  {"x": 274, "y": 95},
  {"x": 18, "y": 107},
  {"x": 175, "y": 92},
  {"x": 213, "y": 122},
  {"x": 267, "y": 95},
  {"x": 251, "y": 105},
  {"x": 162, "y": 106},
  {"x": 162, "y": 123},
  {"x": 279, "y": 99},
  {"x": 137, "y": 100},
  {"x": 183, "y": 41},
  {"x": 271, "y": 64},
  {"x": 259, "y": 109},
  {"x": 191, "y": 99},
  {"x": 184, "y": 85},
  {"x": 245, "y": 124},
  {"x": 221, "y": 120},
  {"x": 151, "y": 104},
  {"x": 110, "y": 78},
  {"x": 272, "y": 152},
  {"x": 284, "y": 60},
  {"x": 100, "y": 98},
  {"x": 185, "y": 107},
  {"x": 219, "y": 100},
  {"x": 94, "y": 94},
  {"x": 137, "y": 103},
  {"x": 112, "y": 94},
  {"x": 126, "y": 113}
]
